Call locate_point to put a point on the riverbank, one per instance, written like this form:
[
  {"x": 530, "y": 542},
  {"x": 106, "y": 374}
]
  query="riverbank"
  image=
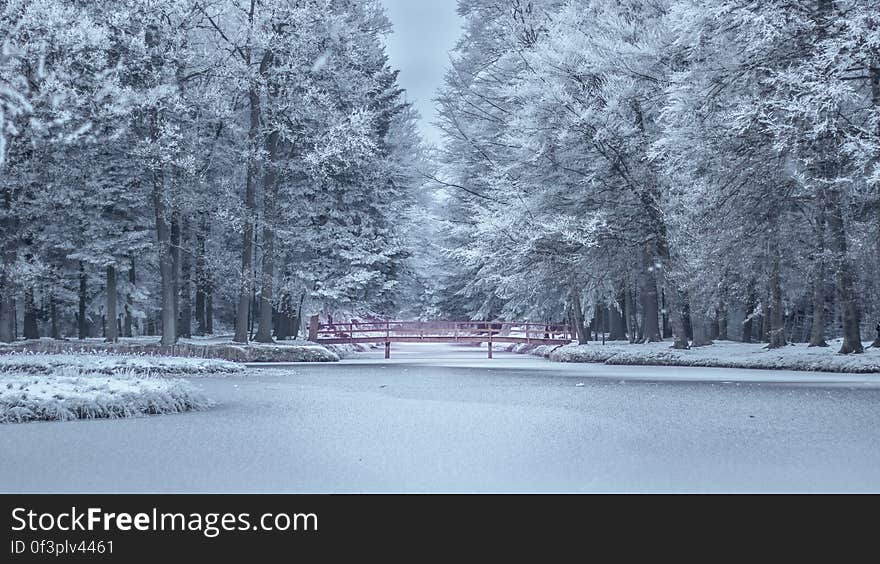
[
  {"x": 220, "y": 347},
  {"x": 721, "y": 354}
]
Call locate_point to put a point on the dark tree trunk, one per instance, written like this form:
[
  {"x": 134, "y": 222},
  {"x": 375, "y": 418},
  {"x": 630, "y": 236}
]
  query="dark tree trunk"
[
  {"x": 7, "y": 312},
  {"x": 314, "y": 322},
  {"x": 852, "y": 339},
  {"x": 167, "y": 274},
  {"x": 817, "y": 330},
  {"x": 166, "y": 266},
  {"x": 201, "y": 280},
  {"x": 665, "y": 326},
  {"x": 175, "y": 261},
  {"x": 82, "y": 326},
  {"x": 111, "y": 334},
  {"x": 700, "y": 323},
  {"x": 7, "y": 284},
  {"x": 676, "y": 317},
  {"x": 777, "y": 336},
  {"x": 650, "y": 305},
  {"x": 53, "y": 317},
  {"x": 616, "y": 321},
  {"x": 296, "y": 319},
  {"x": 245, "y": 295},
  {"x": 686, "y": 316},
  {"x": 875, "y": 97},
  {"x": 185, "y": 319},
  {"x": 270, "y": 206},
  {"x": 31, "y": 329},
  {"x": 128, "y": 327},
  {"x": 577, "y": 314},
  {"x": 750, "y": 314},
  {"x": 282, "y": 318},
  {"x": 209, "y": 311},
  {"x": 722, "y": 322}
]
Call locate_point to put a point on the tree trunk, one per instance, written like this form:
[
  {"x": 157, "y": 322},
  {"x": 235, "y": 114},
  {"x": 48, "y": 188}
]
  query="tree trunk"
[
  {"x": 167, "y": 274},
  {"x": 676, "y": 318},
  {"x": 617, "y": 315},
  {"x": 296, "y": 318},
  {"x": 270, "y": 206},
  {"x": 7, "y": 284},
  {"x": 722, "y": 321},
  {"x": 577, "y": 314},
  {"x": 7, "y": 312},
  {"x": 185, "y": 318},
  {"x": 128, "y": 327},
  {"x": 250, "y": 198},
  {"x": 700, "y": 323},
  {"x": 31, "y": 329},
  {"x": 852, "y": 339},
  {"x": 111, "y": 327},
  {"x": 875, "y": 97},
  {"x": 209, "y": 310},
  {"x": 166, "y": 265},
  {"x": 777, "y": 336},
  {"x": 650, "y": 305},
  {"x": 175, "y": 260},
  {"x": 630, "y": 314},
  {"x": 82, "y": 327},
  {"x": 201, "y": 279},
  {"x": 314, "y": 321},
  {"x": 282, "y": 318},
  {"x": 817, "y": 331},
  {"x": 750, "y": 314},
  {"x": 53, "y": 318}
]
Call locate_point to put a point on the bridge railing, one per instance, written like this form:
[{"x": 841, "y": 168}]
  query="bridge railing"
[{"x": 468, "y": 330}]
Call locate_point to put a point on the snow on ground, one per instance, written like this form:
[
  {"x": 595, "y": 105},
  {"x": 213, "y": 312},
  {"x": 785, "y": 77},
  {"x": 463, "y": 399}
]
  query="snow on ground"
[
  {"x": 108, "y": 363},
  {"x": 69, "y": 393},
  {"x": 439, "y": 418},
  {"x": 722, "y": 354},
  {"x": 220, "y": 346}
]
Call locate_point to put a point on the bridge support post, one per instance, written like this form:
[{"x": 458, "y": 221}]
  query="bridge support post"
[
  {"x": 490, "y": 341},
  {"x": 387, "y": 349}
]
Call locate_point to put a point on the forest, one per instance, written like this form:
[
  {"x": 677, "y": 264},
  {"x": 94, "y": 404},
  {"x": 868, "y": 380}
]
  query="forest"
[
  {"x": 181, "y": 167},
  {"x": 692, "y": 170},
  {"x": 649, "y": 169}
]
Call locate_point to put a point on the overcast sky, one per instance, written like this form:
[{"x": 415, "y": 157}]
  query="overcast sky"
[{"x": 424, "y": 32}]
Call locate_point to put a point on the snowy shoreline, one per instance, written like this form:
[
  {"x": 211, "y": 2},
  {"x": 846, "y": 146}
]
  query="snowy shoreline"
[
  {"x": 218, "y": 348},
  {"x": 721, "y": 354}
]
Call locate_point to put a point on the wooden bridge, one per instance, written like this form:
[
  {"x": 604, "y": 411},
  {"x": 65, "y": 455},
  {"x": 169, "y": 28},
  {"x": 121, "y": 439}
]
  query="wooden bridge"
[{"x": 440, "y": 332}]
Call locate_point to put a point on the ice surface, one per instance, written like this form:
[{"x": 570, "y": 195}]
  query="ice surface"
[{"x": 439, "y": 418}]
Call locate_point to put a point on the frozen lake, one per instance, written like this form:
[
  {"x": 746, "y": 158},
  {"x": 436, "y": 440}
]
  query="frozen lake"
[{"x": 440, "y": 418}]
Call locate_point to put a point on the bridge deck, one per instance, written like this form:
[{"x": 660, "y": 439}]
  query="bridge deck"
[{"x": 440, "y": 332}]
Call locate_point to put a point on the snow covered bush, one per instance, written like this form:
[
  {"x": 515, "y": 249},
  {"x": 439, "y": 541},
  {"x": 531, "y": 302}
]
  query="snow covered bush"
[
  {"x": 26, "y": 363},
  {"x": 306, "y": 352},
  {"x": 69, "y": 394}
]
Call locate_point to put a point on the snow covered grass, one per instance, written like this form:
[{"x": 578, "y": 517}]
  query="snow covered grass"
[
  {"x": 285, "y": 351},
  {"x": 70, "y": 393},
  {"x": 528, "y": 348},
  {"x": 347, "y": 350},
  {"x": 108, "y": 363},
  {"x": 205, "y": 348},
  {"x": 722, "y": 354}
]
